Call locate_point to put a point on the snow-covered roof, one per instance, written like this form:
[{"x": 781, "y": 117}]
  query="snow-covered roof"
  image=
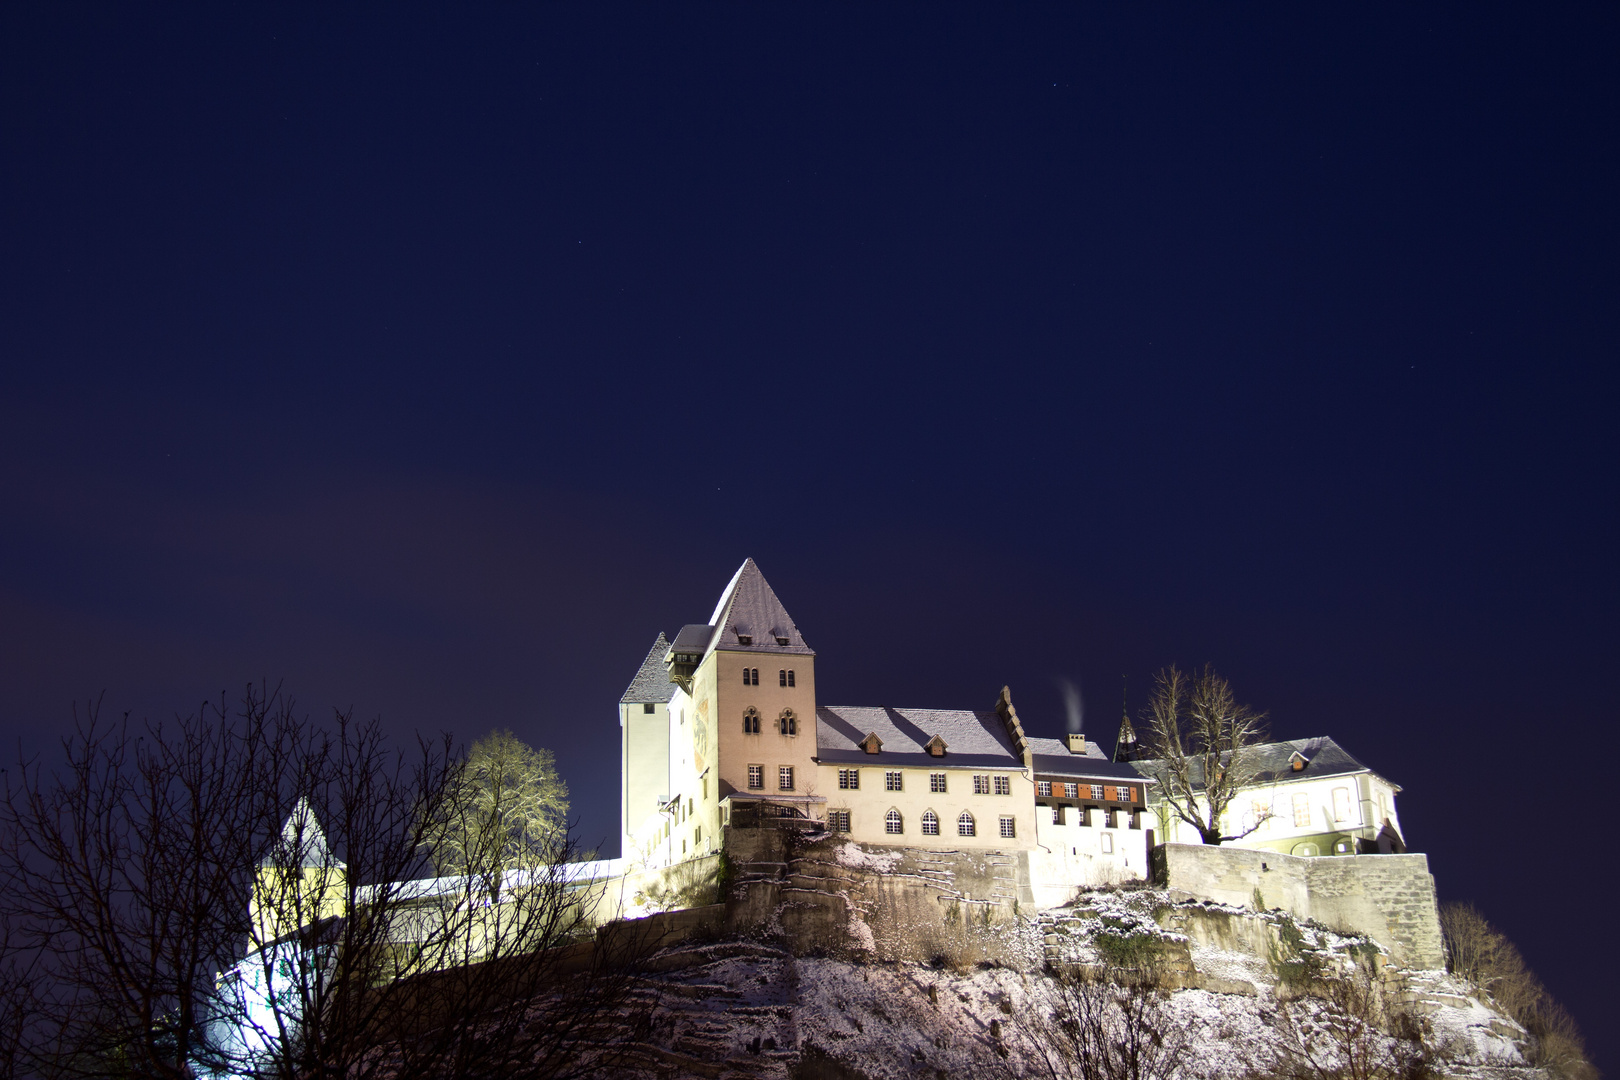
[
  {"x": 1052, "y": 757},
  {"x": 652, "y": 681},
  {"x": 749, "y": 608},
  {"x": 971, "y": 738},
  {"x": 1322, "y": 755}
]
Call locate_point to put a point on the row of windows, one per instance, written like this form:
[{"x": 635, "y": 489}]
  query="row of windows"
[
  {"x": 786, "y": 724},
  {"x": 894, "y": 824},
  {"x": 756, "y": 778},
  {"x": 1044, "y": 788},
  {"x": 1083, "y": 816},
  {"x": 783, "y": 677},
  {"x": 1298, "y": 807},
  {"x": 850, "y": 780}
]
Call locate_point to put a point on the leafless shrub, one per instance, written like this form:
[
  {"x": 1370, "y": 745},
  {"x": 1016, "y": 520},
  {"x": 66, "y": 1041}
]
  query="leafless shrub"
[
  {"x": 1078, "y": 1025},
  {"x": 1482, "y": 954},
  {"x": 1344, "y": 1027}
]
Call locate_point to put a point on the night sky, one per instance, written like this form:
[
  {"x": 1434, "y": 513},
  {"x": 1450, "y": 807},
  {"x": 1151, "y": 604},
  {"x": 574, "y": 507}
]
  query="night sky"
[{"x": 432, "y": 362}]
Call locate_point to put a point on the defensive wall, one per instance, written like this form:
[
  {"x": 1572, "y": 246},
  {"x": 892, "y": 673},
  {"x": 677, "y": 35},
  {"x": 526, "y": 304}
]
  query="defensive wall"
[{"x": 1390, "y": 898}]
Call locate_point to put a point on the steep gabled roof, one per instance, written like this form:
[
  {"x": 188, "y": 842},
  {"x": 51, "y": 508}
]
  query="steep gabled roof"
[
  {"x": 749, "y": 608},
  {"x": 651, "y": 683},
  {"x": 302, "y": 842}
]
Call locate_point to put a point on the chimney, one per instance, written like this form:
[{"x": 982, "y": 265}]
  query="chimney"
[{"x": 1077, "y": 743}]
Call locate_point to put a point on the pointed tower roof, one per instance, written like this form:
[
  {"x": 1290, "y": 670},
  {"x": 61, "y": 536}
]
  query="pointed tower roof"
[
  {"x": 1125, "y": 744},
  {"x": 651, "y": 683},
  {"x": 750, "y": 617},
  {"x": 302, "y": 843}
]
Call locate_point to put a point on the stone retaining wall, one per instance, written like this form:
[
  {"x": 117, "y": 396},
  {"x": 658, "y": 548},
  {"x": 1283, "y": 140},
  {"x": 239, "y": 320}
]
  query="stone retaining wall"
[{"x": 1390, "y": 898}]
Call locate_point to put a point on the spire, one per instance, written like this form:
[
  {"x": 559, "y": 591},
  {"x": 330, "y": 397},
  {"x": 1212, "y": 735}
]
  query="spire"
[
  {"x": 1126, "y": 747},
  {"x": 302, "y": 843},
  {"x": 749, "y": 615}
]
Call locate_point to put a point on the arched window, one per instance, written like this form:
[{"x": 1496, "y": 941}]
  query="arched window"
[
  {"x": 964, "y": 825},
  {"x": 892, "y": 823},
  {"x": 788, "y": 722},
  {"x": 930, "y": 823},
  {"x": 751, "y": 721}
]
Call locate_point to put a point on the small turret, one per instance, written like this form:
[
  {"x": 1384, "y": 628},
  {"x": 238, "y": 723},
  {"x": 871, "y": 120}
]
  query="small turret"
[{"x": 1126, "y": 746}]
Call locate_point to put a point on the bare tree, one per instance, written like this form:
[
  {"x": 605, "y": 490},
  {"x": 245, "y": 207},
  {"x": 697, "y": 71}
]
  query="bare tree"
[
  {"x": 127, "y": 878},
  {"x": 507, "y": 808},
  {"x": 1201, "y": 744},
  {"x": 252, "y": 895}
]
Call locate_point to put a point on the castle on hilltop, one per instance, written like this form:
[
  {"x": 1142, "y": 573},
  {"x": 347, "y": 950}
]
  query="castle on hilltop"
[{"x": 722, "y": 727}]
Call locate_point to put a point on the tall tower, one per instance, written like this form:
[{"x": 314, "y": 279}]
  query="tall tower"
[{"x": 752, "y": 683}]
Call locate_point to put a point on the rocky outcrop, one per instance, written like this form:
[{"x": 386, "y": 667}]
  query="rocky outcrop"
[{"x": 828, "y": 960}]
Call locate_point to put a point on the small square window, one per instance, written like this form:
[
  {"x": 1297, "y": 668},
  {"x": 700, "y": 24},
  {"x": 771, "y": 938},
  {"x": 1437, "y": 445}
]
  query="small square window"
[
  {"x": 647, "y": 708},
  {"x": 849, "y": 779},
  {"x": 1096, "y": 792},
  {"x": 1071, "y": 791},
  {"x": 756, "y": 777},
  {"x": 1043, "y": 788},
  {"x": 784, "y": 777},
  {"x": 1008, "y": 829},
  {"x": 936, "y": 782},
  {"x": 1003, "y": 785},
  {"x": 893, "y": 781}
]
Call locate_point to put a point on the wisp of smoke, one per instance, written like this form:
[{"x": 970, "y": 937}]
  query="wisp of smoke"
[{"x": 1072, "y": 704}]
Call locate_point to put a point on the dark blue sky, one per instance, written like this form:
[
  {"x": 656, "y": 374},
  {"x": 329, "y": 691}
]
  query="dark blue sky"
[{"x": 434, "y": 361}]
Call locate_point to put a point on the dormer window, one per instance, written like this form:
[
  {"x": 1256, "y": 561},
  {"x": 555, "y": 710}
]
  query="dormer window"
[
  {"x": 1298, "y": 762},
  {"x": 780, "y": 640},
  {"x": 936, "y": 747},
  {"x": 744, "y": 639},
  {"x": 871, "y": 744}
]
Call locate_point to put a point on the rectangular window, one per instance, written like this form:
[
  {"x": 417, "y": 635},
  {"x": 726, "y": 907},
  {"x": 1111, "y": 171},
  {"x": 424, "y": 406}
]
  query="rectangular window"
[
  {"x": 1108, "y": 843},
  {"x": 892, "y": 782},
  {"x": 697, "y": 835},
  {"x": 1082, "y": 817},
  {"x": 1043, "y": 788},
  {"x": 1008, "y": 830},
  {"x": 838, "y": 820},
  {"x": 784, "y": 777},
  {"x": 1341, "y": 804},
  {"x": 1071, "y": 791},
  {"x": 981, "y": 785},
  {"x": 790, "y": 676},
  {"x": 1302, "y": 811},
  {"x": 647, "y": 708},
  {"x": 1097, "y": 792},
  {"x": 849, "y": 779},
  {"x": 1003, "y": 785},
  {"x": 936, "y": 782},
  {"x": 756, "y": 777},
  {"x": 1057, "y": 815},
  {"x": 781, "y": 677}
]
